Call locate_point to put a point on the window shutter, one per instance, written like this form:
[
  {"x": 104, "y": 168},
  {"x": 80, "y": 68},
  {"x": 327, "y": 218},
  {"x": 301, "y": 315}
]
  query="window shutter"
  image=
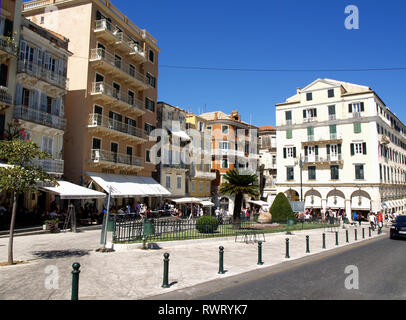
[
  {"x": 352, "y": 149},
  {"x": 43, "y": 104},
  {"x": 362, "y": 107},
  {"x": 19, "y": 94},
  {"x": 304, "y": 114},
  {"x": 317, "y": 150},
  {"x": 315, "y": 112},
  {"x": 8, "y": 28},
  {"x": 328, "y": 149},
  {"x": 294, "y": 152},
  {"x": 23, "y": 48},
  {"x": 284, "y": 153},
  {"x": 350, "y": 108},
  {"x": 35, "y": 99},
  {"x": 364, "y": 147},
  {"x": 306, "y": 151},
  {"x": 339, "y": 149}
]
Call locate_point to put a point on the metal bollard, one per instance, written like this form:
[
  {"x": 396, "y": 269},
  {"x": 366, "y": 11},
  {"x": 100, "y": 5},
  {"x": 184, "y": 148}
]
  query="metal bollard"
[
  {"x": 165, "y": 283},
  {"x": 307, "y": 245},
  {"x": 363, "y": 233},
  {"x": 287, "y": 249},
  {"x": 75, "y": 281},
  {"x": 324, "y": 241},
  {"x": 260, "y": 262},
  {"x": 347, "y": 236},
  {"x": 336, "y": 238},
  {"x": 370, "y": 234},
  {"x": 221, "y": 260},
  {"x": 356, "y": 234}
]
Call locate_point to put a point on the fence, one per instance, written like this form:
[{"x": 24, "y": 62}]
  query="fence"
[{"x": 128, "y": 229}]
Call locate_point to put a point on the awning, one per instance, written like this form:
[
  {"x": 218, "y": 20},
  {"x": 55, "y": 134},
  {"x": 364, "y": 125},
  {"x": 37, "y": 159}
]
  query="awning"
[
  {"x": 207, "y": 204},
  {"x": 186, "y": 200},
  {"x": 67, "y": 190},
  {"x": 128, "y": 186},
  {"x": 179, "y": 133},
  {"x": 260, "y": 203}
]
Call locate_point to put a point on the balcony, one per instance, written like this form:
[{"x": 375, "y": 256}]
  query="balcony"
[
  {"x": 105, "y": 31},
  {"x": 54, "y": 167},
  {"x": 332, "y": 139},
  {"x": 110, "y": 65},
  {"x": 33, "y": 117},
  {"x": 44, "y": 79},
  {"x": 6, "y": 100},
  {"x": 309, "y": 120},
  {"x": 8, "y": 48},
  {"x": 332, "y": 117},
  {"x": 196, "y": 174},
  {"x": 113, "y": 160},
  {"x": 180, "y": 166},
  {"x": 330, "y": 159},
  {"x": 356, "y": 114},
  {"x": 114, "y": 128},
  {"x": 113, "y": 98}
]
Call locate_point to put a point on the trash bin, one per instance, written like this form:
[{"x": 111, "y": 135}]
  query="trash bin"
[
  {"x": 111, "y": 224},
  {"x": 148, "y": 227}
]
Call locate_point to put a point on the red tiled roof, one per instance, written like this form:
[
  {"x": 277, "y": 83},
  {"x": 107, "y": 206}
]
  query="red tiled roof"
[{"x": 267, "y": 128}]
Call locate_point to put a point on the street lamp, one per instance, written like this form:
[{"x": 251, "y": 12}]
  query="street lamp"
[{"x": 300, "y": 163}]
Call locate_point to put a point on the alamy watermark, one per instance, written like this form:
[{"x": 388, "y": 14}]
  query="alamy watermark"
[
  {"x": 352, "y": 21},
  {"x": 52, "y": 280},
  {"x": 352, "y": 280}
]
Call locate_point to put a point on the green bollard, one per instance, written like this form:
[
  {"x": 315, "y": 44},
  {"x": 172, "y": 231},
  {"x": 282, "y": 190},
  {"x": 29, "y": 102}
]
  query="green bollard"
[
  {"x": 287, "y": 249},
  {"x": 75, "y": 281},
  {"x": 347, "y": 236},
  {"x": 363, "y": 233},
  {"x": 336, "y": 238},
  {"x": 356, "y": 234},
  {"x": 324, "y": 241},
  {"x": 221, "y": 260},
  {"x": 260, "y": 262},
  {"x": 307, "y": 245},
  {"x": 165, "y": 283}
]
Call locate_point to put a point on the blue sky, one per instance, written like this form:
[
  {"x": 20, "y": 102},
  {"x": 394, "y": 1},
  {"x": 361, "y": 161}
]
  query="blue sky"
[{"x": 269, "y": 34}]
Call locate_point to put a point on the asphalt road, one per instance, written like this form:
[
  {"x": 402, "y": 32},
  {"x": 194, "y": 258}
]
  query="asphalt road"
[{"x": 381, "y": 270}]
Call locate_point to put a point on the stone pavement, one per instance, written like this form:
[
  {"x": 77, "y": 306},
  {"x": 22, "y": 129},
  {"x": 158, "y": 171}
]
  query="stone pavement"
[{"x": 138, "y": 274}]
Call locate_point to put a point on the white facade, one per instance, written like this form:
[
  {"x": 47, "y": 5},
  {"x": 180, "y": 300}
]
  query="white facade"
[
  {"x": 340, "y": 131},
  {"x": 267, "y": 162}
]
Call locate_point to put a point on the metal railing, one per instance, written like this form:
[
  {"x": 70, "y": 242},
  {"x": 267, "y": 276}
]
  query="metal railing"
[
  {"x": 51, "y": 165},
  {"x": 337, "y": 157},
  {"x": 101, "y": 87},
  {"x": 39, "y": 117},
  {"x": 5, "y": 97},
  {"x": 332, "y": 117},
  {"x": 103, "y": 24},
  {"x": 356, "y": 114},
  {"x": 98, "y": 155},
  {"x": 103, "y": 55},
  {"x": 8, "y": 45},
  {"x": 42, "y": 73},
  {"x": 96, "y": 119},
  {"x": 203, "y": 175}
]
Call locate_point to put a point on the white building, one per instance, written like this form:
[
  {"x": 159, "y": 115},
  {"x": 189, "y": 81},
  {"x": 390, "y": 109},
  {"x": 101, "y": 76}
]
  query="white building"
[
  {"x": 267, "y": 162},
  {"x": 352, "y": 147}
]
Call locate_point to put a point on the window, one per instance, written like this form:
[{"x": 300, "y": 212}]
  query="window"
[
  {"x": 207, "y": 187},
  {"x": 224, "y": 129},
  {"x": 380, "y": 172},
  {"x": 309, "y": 96},
  {"x": 334, "y": 172},
  {"x": 96, "y": 144},
  {"x": 47, "y": 144},
  {"x": 356, "y": 107},
  {"x": 357, "y": 127},
  {"x": 148, "y": 156},
  {"x": 310, "y": 113},
  {"x": 200, "y": 186},
  {"x": 151, "y": 80},
  {"x": 151, "y": 56},
  {"x": 117, "y": 61},
  {"x": 288, "y": 116},
  {"x": 149, "y": 104},
  {"x": 289, "y": 152},
  {"x": 359, "y": 171},
  {"x": 193, "y": 186},
  {"x": 149, "y": 128},
  {"x": 310, "y": 133},
  {"x": 224, "y": 163},
  {"x": 209, "y": 128},
  {"x": 333, "y": 130},
  {"x": 179, "y": 182},
  {"x": 331, "y": 93},
  {"x": 224, "y": 145},
  {"x": 332, "y": 112},
  {"x": 312, "y": 173},
  {"x": 290, "y": 174},
  {"x": 168, "y": 181},
  {"x": 288, "y": 134},
  {"x": 358, "y": 148}
]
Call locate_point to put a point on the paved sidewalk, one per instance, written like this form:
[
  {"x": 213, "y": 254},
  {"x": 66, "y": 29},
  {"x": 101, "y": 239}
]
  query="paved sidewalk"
[{"x": 137, "y": 274}]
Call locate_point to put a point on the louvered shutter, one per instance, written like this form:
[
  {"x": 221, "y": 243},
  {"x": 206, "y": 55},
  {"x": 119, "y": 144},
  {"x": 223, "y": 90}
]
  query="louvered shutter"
[
  {"x": 364, "y": 147},
  {"x": 352, "y": 149},
  {"x": 350, "y": 108},
  {"x": 362, "y": 107}
]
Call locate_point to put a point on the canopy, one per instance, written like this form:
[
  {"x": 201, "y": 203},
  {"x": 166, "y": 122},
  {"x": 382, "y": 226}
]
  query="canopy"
[
  {"x": 207, "y": 204},
  {"x": 128, "y": 186},
  {"x": 260, "y": 203},
  {"x": 186, "y": 200},
  {"x": 67, "y": 190}
]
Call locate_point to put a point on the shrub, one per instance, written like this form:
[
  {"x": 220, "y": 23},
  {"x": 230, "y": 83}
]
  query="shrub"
[
  {"x": 281, "y": 209},
  {"x": 207, "y": 224}
]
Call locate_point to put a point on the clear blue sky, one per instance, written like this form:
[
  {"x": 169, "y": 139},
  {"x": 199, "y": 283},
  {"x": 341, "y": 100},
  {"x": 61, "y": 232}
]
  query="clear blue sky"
[{"x": 288, "y": 34}]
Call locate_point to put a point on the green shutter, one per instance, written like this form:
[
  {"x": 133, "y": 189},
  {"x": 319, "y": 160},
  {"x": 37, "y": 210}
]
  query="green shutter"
[
  {"x": 288, "y": 134},
  {"x": 350, "y": 108},
  {"x": 352, "y": 149},
  {"x": 333, "y": 129},
  {"x": 364, "y": 147},
  {"x": 357, "y": 127},
  {"x": 294, "y": 152}
]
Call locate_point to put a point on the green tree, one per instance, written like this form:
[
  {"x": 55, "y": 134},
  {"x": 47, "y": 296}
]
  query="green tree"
[
  {"x": 21, "y": 176},
  {"x": 239, "y": 185},
  {"x": 281, "y": 209}
]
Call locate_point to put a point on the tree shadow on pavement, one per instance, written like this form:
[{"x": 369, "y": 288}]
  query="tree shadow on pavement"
[{"x": 54, "y": 254}]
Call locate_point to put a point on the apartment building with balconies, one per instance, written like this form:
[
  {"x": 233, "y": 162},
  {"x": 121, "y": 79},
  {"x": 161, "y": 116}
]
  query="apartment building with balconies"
[
  {"x": 267, "y": 162},
  {"x": 234, "y": 145},
  {"x": 111, "y": 102},
  {"x": 40, "y": 91},
  {"x": 200, "y": 175},
  {"x": 340, "y": 146},
  {"x": 10, "y": 20}
]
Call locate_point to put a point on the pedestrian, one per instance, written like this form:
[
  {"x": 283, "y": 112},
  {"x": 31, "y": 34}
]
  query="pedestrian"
[
  {"x": 360, "y": 219},
  {"x": 354, "y": 218},
  {"x": 372, "y": 220},
  {"x": 380, "y": 220}
]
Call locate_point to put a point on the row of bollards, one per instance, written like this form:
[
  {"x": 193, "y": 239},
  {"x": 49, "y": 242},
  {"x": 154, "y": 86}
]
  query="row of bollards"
[{"x": 165, "y": 283}]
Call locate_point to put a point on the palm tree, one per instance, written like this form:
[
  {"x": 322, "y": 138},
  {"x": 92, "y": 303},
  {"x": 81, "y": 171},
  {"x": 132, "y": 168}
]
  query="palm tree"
[{"x": 239, "y": 185}]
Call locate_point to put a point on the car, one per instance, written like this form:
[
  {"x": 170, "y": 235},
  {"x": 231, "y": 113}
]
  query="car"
[{"x": 398, "y": 228}]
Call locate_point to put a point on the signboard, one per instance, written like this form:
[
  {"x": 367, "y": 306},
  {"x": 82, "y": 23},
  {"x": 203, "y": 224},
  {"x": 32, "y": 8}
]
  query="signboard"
[{"x": 297, "y": 206}]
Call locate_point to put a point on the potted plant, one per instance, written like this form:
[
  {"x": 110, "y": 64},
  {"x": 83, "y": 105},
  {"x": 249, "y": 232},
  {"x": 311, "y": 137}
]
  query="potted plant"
[{"x": 52, "y": 225}]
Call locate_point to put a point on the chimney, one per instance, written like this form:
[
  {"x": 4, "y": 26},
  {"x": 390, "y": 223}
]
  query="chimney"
[
  {"x": 216, "y": 116},
  {"x": 298, "y": 90}
]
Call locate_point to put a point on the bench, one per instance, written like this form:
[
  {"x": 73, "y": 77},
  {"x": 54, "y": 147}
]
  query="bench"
[{"x": 250, "y": 236}]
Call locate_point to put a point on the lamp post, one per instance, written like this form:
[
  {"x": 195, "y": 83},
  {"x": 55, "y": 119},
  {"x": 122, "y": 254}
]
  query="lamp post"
[{"x": 301, "y": 178}]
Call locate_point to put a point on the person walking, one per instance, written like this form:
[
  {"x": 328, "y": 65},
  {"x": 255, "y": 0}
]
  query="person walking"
[
  {"x": 354, "y": 218},
  {"x": 372, "y": 220}
]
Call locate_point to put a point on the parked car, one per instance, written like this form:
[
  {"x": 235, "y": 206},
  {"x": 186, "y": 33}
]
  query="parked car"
[{"x": 398, "y": 228}]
